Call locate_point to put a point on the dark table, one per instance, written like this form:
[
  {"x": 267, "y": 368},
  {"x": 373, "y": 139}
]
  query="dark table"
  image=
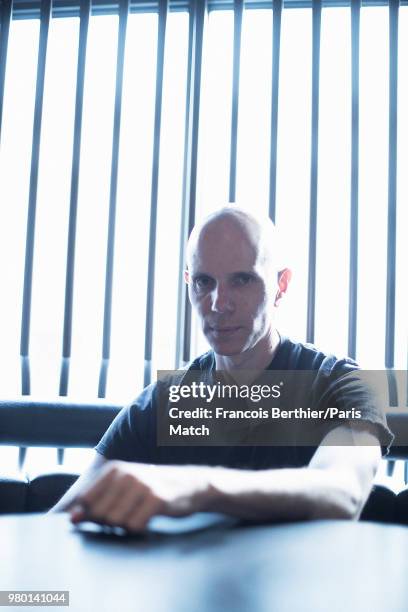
[{"x": 319, "y": 566}]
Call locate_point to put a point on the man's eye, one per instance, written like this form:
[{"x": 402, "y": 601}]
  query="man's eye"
[
  {"x": 243, "y": 279},
  {"x": 201, "y": 283}
]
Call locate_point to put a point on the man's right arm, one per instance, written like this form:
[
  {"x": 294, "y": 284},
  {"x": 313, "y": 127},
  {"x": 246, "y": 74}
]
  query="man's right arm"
[
  {"x": 122, "y": 440},
  {"x": 86, "y": 478}
]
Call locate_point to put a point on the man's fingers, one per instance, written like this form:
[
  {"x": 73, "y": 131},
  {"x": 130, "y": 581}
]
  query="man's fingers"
[
  {"x": 78, "y": 512},
  {"x": 103, "y": 481},
  {"x": 112, "y": 497},
  {"x": 126, "y": 496},
  {"x": 128, "y": 502},
  {"x": 107, "y": 491},
  {"x": 139, "y": 518}
]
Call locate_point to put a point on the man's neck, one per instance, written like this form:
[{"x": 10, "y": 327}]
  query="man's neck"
[{"x": 257, "y": 358}]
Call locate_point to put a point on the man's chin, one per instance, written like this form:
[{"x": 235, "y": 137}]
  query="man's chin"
[{"x": 226, "y": 349}]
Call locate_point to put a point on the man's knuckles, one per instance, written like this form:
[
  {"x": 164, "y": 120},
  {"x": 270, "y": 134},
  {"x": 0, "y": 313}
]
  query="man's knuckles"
[
  {"x": 141, "y": 515},
  {"x": 111, "y": 506},
  {"x": 129, "y": 480},
  {"x": 120, "y": 474}
]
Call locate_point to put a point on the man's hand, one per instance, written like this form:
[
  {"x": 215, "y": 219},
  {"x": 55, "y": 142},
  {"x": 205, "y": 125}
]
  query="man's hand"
[{"x": 128, "y": 494}]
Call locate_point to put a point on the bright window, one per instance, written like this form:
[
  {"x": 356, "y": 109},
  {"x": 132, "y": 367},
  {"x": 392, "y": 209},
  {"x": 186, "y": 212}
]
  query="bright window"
[{"x": 125, "y": 375}]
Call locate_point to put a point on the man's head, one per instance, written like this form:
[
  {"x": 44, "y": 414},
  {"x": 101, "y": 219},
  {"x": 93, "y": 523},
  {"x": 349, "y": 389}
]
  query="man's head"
[{"x": 233, "y": 280}]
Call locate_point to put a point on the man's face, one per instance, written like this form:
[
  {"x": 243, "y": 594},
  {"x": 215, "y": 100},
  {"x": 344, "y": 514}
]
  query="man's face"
[{"x": 231, "y": 291}]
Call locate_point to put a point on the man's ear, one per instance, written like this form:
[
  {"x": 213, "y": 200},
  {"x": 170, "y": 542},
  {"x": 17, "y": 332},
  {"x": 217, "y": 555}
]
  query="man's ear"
[
  {"x": 186, "y": 276},
  {"x": 284, "y": 277}
]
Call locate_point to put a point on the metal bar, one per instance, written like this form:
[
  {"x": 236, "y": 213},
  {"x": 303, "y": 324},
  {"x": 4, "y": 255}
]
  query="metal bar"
[
  {"x": 85, "y": 11},
  {"x": 392, "y": 387},
  {"x": 161, "y": 38},
  {"x": 22, "y": 454},
  {"x": 201, "y": 11},
  {"x": 196, "y": 33},
  {"x": 391, "y": 467},
  {"x": 277, "y": 20},
  {"x": 76, "y": 154},
  {"x": 6, "y": 10},
  {"x": 392, "y": 185},
  {"x": 311, "y": 296},
  {"x": 238, "y": 12},
  {"x": 354, "y": 185},
  {"x": 32, "y": 201},
  {"x": 181, "y": 289},
  {"x": 60, "y": 456},
  {"x": 110, "y": 249},
  {"x": 32, "y": 207}
]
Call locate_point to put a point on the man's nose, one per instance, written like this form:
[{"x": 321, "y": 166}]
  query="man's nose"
[{"x": 221, "y": 299}]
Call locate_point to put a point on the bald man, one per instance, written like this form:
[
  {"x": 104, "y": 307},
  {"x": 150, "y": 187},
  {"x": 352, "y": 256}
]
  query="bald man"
[{"x": 234, "y": 287}]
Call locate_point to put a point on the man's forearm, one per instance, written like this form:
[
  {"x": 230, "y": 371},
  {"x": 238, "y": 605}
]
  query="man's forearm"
[
  {"x": 129, "y": 494},
  {"x": 86, "y": 479},
  {"x": 293, "y": 493},
  {"x": 67, "y": 498}
]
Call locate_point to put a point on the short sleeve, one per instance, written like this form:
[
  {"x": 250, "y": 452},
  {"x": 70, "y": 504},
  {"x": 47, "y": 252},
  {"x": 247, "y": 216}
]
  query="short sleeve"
[
  {"x": 355, "y": 401},
  {"x": 131, "y": 435}
]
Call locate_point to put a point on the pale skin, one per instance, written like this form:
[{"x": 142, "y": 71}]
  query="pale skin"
[{"x": 234, "y": 290}]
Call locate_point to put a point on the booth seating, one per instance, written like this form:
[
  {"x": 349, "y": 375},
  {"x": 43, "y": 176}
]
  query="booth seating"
[
  {"x": 59, "y": 424},
  {"x": 64, "y": 424},
  {"x": 20, "y": 492}
]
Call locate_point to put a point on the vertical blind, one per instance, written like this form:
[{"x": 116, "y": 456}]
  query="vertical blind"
[{"x": 133, "y": 120}]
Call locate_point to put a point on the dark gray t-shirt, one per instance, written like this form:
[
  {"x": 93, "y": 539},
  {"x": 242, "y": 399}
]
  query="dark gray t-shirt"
[{"x": 132, "y": 436}]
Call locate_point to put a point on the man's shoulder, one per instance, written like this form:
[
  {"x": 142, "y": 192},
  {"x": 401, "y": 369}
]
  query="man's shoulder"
[{"x": 296, "y": 355}]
